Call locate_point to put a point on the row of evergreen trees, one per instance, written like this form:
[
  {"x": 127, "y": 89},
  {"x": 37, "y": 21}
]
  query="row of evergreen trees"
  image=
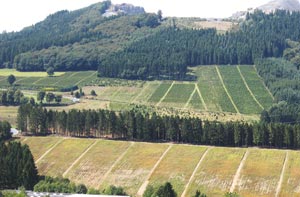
[
  {"x": 170, "y": 51},
  {"x": 138, "y": 125},
  {"x": 17, "y": 166},
  {"x": 5, "y": 130}
]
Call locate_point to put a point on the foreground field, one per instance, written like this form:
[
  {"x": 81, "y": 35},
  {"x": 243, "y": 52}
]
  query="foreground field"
[{"x": 133, "y": 165}]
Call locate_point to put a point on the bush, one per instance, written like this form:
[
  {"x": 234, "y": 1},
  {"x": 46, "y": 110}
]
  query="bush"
[
  {"x": 69, "y": 89},
  {"x": 113, "y": 190}
]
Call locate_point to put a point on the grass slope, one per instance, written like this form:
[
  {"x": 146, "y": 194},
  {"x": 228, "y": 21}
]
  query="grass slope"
[
  {"x": 96, "y": 162},
  {"x": 261, "y": 173},
  {"x": 56, "y": 162},
  {"x": 179, "y": 95},
  {"x": 131, "y": 171},
  {"x": 238, "y": 91},
  {"x": 215, "y": 175},
  {"x": 177, "y": 170},
  {"x": 7, "y": 72},
  {"x": 256, "y": 85},
  {"x": 258, "y": 177},
  {"x": 213, "y": 92}
]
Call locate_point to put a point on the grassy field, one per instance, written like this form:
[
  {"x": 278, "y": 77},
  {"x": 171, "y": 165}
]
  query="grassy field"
[
  {"x": 215, "y": 175},
  {"x": 39, "y": 145},
  {"x": 159, "y": 92},
  {"x": 291, "y": 185},
  {"x": 256, "y": 85},
  {"x": 212, "y": 90},
  {"x": 129, "y": 164},
  {"x": 62, "y": 156},
  {"x": 178, "y": 95},
  {"x": 131, "y": 171},
  {"x": 95, "y": 163},
  {"x": 261, "y": 173},
  {"x": 7, "y": 72},
  {"x": 177, "y": 170},
  {"x": 238, "y": 91}
]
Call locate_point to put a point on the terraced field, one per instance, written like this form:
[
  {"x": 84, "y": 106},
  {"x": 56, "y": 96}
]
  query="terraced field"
[{"x": 133, "y": 165}]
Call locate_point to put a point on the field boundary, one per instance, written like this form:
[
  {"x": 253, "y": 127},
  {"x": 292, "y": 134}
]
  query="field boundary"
[
  {"x": 229, "y": 96},
  {"x": 190, "y": 98},
  {"x": 142, "y": 91},
  {"x": 261, "y": 79},
  {"x": 194, "y": 172},
  {"x": 42, "y": 78},
  {"x": 238, "y": 172},
  {"x": 77, "y": 160},
  {"x": 201, "y": 97},
  {"x": 49, "y": 150},
  {"x": 278, "y": 189},
  {"x": 86, "y": 78},
  {"x": 145, "y": 184},
  {"x": 114, "y": 164},
  {"x": 64, "y": 78},
  {"x": 248, "y": 88},
  {"x": 165, "y": 95}
]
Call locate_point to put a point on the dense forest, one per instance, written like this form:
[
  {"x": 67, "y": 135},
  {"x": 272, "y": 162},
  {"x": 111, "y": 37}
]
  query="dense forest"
[
  {"x": 170, "y": 51},
  {"x": 142, "y": 126},
  {"x": 17, "y": 166},
  {"x": 138, "y": 47},
  {"x": 76, "y": 40}
]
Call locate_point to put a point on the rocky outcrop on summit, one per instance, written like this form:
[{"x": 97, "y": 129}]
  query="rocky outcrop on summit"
[
  {"x": 290, "y": 5},
  {"x": 124, "y": 8}
]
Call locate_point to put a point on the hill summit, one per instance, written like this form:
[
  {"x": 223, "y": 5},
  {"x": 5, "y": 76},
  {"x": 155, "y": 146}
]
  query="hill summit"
[
  {"x": 271, "y": 6},
  {"x": 290, "y": 5}
]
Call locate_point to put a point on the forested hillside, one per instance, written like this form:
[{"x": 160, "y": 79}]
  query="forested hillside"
[
  {"x": 170, "y": 51},
  {"x": 75, "y": 40}
]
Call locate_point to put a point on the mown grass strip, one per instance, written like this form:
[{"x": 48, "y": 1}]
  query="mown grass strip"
[
  {"x": 253, "y": 96},
  {"x": 48, "y": 151},
  {"x": 229, "y": 96},
  {"x": 194, "y": 173},
  {"x": 190, "y": 98},
  {"x": 238, "y": 172},
  {"x": 201, "y": 97},
  {"x": 166, "y": 93},
  {"x": 278, "y": 189},
  {"x": 145, "y": 184},
  {"x": 263, "y": 83},
  {"x": 91, "y": 75},
  {"x": 115, "y": 164},
  {"x": 71, "y": 166}
]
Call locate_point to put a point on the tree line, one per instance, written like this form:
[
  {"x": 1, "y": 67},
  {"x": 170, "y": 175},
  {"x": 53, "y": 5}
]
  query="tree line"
[
  {"x": 12, "y": 97},
  {"x": 170, "y": 51},
  {"x": 142, "y": 126},
  {"x": 5, "y": 130},
  {"x": 17, "y": 166}
]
